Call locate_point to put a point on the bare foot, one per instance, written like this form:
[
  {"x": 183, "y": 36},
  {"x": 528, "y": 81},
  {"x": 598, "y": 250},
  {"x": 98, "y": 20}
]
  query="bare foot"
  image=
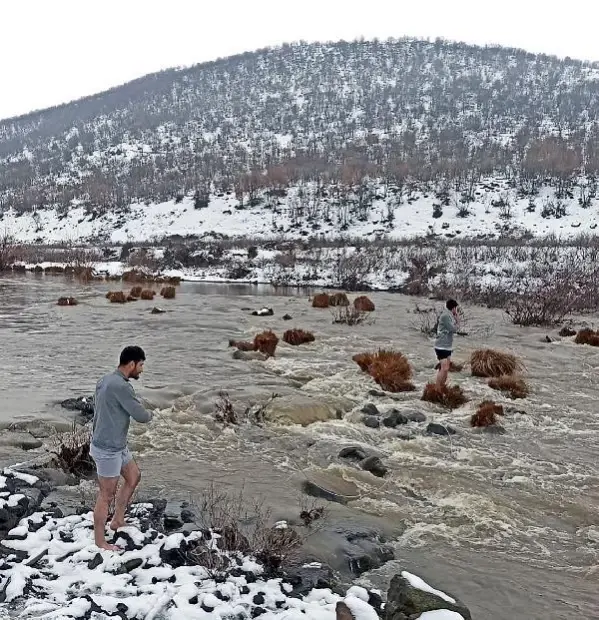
[
  {"x": 115, "y": 524},
  {"x": 107, "y": 547}
]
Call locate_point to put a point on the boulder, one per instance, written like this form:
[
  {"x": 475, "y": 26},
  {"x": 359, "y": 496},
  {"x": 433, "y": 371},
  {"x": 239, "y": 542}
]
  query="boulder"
[
  {"x": 21, "y": 440},
  {"x": 84, "y": 404},
  {"x": 370, "y": 409},
  {"x": 395, "y": 418},
  {"x": 440, "y": 429},
  {"x": 370, "y": 421},
  {"x": 409, "y": 597},
  {"x": 329, "y": 485},
  {"x": 374, "y": 465},
  {"x": 415, "y": 416},
  {"x": 305, "y": 409},
  {"x": 287, "y": 317},
  {"x": 353, "y": 453},
  {"x": 365, "y": 550}
]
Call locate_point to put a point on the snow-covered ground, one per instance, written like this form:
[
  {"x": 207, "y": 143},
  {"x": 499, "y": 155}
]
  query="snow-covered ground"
[
  {"x": 53, "y": 570},
  {"x": 301, "y": 213}
]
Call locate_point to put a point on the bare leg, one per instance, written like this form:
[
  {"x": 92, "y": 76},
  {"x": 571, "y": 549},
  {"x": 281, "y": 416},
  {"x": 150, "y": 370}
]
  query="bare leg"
[
  {"x": 131, "y": 476},
  {"x": 105, "y": 497},
  {"x": 443, "y": 372}
]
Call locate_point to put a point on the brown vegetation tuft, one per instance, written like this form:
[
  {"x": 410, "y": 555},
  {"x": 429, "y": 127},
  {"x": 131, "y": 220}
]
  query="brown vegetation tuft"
[
  {"x": 67, "y": 301},
  {"x": 266, "y": 342},
  {"x": 492, "y": 363},
  {"x": 364, "y": 304},
  {"x": 451, "y": 397},
  {"x": 486, "y": 414},
  {"x": 587, "y": 336},
  {"x": 168, "y": 292},
  {"x": 320, "y": 301},
  {"x": 116, "y": 297},
  {"x": 148, "y": 294},
  {"x": 242, "y": 345},
  {"x": 363, "y": 360},
  {"x": 339, "y": 299},
  {"x": 390, "y": 369},
  {"x": 513, "y": 387},
  {"x": 71, "y": 451},
  {"x": 296, "y": 337},
  {"x": 136, "y": 291}
]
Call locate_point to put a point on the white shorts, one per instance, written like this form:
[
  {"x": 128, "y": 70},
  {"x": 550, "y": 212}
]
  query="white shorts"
[{"x": 109, "y": 464}]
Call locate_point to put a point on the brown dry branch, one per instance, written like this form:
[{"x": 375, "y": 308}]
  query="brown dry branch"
[
  {"x": 266, "y": 342},
  {"x": 486, "y": 414},
  {"x": 339, "y": 299},
  {"x": 513, "y": 387},
  {"x": 493, "y": 363},
  {"x": 320, "y": 301},
  {"x": 364, "y": 304},
  {"x": 116, "y": 297},
  {"x": 296, "y": 337},
  {"x": 168, "y": 292},
  {"x": 67, "y": 301},
  {"x": 447, "y": 396},
  {"x": 148, "y": 294}
]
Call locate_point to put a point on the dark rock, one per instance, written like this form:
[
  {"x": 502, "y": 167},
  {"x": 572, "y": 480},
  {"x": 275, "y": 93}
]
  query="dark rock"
[
  {"x": 415, "y": 416},
  {"x": 377, "y": 393},
  {"x": 405, "y": 602},
  {"x": 258, "y": 611},
  {"x": 207, "y": 609},
  {"x": 172, "y": 516},
  {"x": 365, "y": 550},
  {"x": 132, "y": 564},
  {"x": 354, "y": 453},
  {"x": 157, "y": 310},
  {"x": 374, "y": 465},
  {"x": 370, "y": 421},
  {"x": 439, "y": 429},
  {"x": 375, "y": 600},
  {"x": 287, "y": 317},
  {"x": 306, "y": 576},
  {"x": 84, "y": 404},
  {"x": 259, "y": 599},
  {"x": 122, "y": 608},
  {"x": 370, "y": 409},
  {"x": 395, "y": 418},
  {"x": 194, "y": 600},
  {"x": 95, "y": 562}
]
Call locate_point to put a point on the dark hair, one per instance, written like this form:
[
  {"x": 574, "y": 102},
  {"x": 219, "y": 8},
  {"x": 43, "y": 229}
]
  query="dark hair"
[
  {"x": 451, "y": 304},
  {"x": 132, "y": 354}
]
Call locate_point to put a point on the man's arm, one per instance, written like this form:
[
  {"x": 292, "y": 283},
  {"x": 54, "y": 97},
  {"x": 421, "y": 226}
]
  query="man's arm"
[{"x": 131, "y": 404}]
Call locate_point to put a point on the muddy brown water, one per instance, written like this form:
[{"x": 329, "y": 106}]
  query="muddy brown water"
[{"x": 508, "y": 523}]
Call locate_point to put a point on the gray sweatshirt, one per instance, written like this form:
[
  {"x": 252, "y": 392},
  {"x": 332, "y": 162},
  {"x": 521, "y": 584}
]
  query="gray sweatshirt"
[
  {"x": 115, "y": 405},
  {"x": 446, "y": 328}
]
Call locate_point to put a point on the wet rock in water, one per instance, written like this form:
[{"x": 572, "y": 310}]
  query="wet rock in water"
[
  {"x": 377, "y": 393},
  {"x": 307, "y": 575},
  {"x": 249, "y": 355},
  {"x": 84, "y": 404},
  {"x": 18, "y": 439},
  {"x": 365, "y": 550},
  {"x": 415, "y": 416},
  {"x": 409, "y": 597},
  {"x": 328, "y": 485},
  {"x": 374, "y": 465},
  {"x": 405, "y": 436},
  {"x": 353, "y": 453},
  {"x": 305, "y": 409},
  {"x": 287, "y": 317},
  {"x": 370, "y": 409},
  {"x": 434, "y": 428},
  {"x": 395, "y": 418},
  {"x": 494, "y": 429},
  {"x": 263, "y": 312},
  {"x": 157, "y": 310},
  {"x": 551, "y": 339},
  {"x": 370, "y": 421}
]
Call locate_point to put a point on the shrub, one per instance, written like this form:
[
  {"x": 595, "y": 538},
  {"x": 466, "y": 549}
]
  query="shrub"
[
  {"x": 71, "y": 451},
  {"x": 492, "y": 363},
  {"x": 339, "y": 299},
  {"x": 390, "y": 369},
  {"x": 136, "y": 292},
  {"x": 587, "y": 336},
  {"x": 134, "y": 275},
  {"x": 320, "y": 301},
  {"x": 447, "y": 396},
  {"x": 242, "y": 345},
  {"x": 266, "y": 342},
  {"x": 297, "y": 336},
  {"x": 224, "y": 412},
  {"x": 349, "y": 315},
  {"x": 513, "y": 387},
  {"x": 168, "y": 292},
  {"x": 67, "y": 301},
  {"x": 363, "y": 360},
  {"x": 364, "y": 304},
  {"x": 148, "y": 294},
  {"x": 566, "y": 332},
  {"x": 117, "y": 297},
  {"x": 486, "y": 414}
]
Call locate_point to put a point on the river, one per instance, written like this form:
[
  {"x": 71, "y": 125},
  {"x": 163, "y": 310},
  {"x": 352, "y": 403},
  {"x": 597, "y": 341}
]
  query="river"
[{"x": 508, "y": 523}]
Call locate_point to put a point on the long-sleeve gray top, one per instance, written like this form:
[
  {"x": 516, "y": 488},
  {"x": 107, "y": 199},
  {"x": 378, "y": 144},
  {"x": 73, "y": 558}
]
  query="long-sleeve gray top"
[
  {"x": 115, "y": 405},
  {"x": 446, "y": 328}
]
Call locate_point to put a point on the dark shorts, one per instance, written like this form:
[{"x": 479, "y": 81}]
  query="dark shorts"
[{"x": 442, "y": 355}]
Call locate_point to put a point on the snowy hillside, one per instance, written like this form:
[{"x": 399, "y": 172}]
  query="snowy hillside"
[{"x": 399, "y": 137}]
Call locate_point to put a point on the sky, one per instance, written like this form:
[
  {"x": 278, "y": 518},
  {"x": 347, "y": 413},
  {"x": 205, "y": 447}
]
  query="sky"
[{"x": 54, "y": 51}]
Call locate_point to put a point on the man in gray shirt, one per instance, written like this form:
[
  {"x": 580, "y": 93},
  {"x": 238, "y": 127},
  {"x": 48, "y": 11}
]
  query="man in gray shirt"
[
  {"x": 447, "y": 326},
  {"x": 115, "y": 405}
]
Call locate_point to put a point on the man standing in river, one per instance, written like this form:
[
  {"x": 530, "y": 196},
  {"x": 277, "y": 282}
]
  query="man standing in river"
[
  {"x": 447, "y": 326},
  {"x": 115, "y": 405}
]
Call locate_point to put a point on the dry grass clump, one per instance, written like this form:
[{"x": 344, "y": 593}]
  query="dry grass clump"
[
  {"x": 136, "y": 292},
  {"x": 513, "y": 387},
  {"x": 566, "y": 332},
  {"x": 116, "y": 297},
  {"x": 242, "y": 345},
  {"x": 148, "y": 294},
  {"x": 71, "y": 451},
  {"x": 364, "y": 304},
  {"x": 296, "y": 337},
  {"x": 492, "y": 363},
  {"x": 390, "y": 369},
  {"x": 587, "y": 336},
  {"x": 320, "y": 301},
  {"x": 168, "y": 292},
  {"x": 339, "y": 299},
  {"x": 67, "y": 301},
  {"x": 266, "y": 342},
  {"x": 447, "y": 396},
  {"x": 347, "y": 315},
  {"x": 486, "y": 414}
]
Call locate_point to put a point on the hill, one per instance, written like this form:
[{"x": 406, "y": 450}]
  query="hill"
[{"x": 400, "y": 137}]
